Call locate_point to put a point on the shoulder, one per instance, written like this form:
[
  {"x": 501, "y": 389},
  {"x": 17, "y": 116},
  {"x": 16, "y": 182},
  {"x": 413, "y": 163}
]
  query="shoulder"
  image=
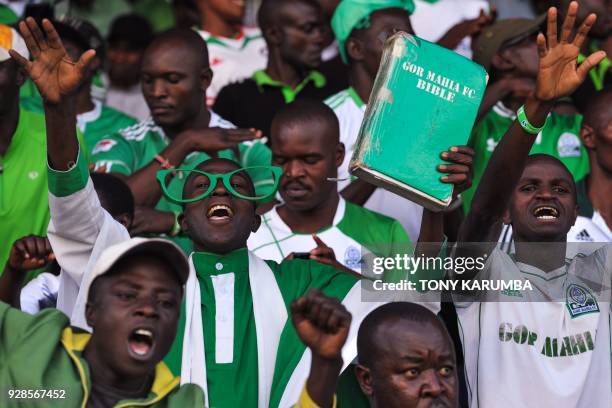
[
  {"x": 239, "y": 87},
  {"x": 186, "y": 395},
  {"x": 118, "y": 117},
  {"x": 338, "y": 99},
  {"x": 366, "y": 225},
  {"x": 139, "y": 131}
]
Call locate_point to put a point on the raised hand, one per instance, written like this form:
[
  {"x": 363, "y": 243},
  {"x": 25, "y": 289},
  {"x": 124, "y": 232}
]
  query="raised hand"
[
  {"x": 559, "y": 74},
  {"x": 322, "y": 323},
  {"x": 52, "y": 70},
  {"x": 29, "y": 253}
]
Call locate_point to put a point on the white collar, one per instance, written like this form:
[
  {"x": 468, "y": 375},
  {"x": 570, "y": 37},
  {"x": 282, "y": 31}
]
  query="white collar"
[
  {"x": 278, "y": 222},
  {"x": 84, "y": 118}
]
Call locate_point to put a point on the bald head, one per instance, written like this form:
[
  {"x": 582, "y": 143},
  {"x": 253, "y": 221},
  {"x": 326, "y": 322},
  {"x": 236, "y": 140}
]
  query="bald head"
[
  {"x": 187, "y": 42},
  {"x": 376, "y": 330},
  {"x": 305, "y": 113},
  {"x": 272, "y": 12},
  {"x": 598, "y": 111}
]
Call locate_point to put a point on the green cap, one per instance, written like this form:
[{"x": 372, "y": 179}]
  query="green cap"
[
  {"x": 351, "y": 13},
  {"x": 501, "y": 34}
]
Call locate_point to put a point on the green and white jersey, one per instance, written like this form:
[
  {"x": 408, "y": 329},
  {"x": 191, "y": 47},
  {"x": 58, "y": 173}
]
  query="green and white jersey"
[
  {"x": 234, "y": 59},
  {"x": 350, "y": 109},
  {"x": 560, "y": 138},
  {"x": 354, "y": 228},
  {"x": 545, "y": 347},
  {"x": 99, "y": 122}
]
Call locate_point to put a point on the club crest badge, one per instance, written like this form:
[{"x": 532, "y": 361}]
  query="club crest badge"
[
  {"x": 352, "y": 257},
  {"x": 580, "y": 300}
]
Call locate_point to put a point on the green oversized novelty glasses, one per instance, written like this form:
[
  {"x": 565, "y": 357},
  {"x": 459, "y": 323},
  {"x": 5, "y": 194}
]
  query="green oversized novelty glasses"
[{"x": 236, "y": 182}]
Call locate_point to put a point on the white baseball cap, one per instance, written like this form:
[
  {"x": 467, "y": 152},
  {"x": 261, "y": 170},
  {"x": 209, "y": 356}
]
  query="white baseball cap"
[
  {"x": 10, "y": 38},
  {"x": 152, "y": 247}
]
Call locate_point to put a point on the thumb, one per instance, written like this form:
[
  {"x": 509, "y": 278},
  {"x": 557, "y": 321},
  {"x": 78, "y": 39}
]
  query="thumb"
[
  {"x": 85, "y": 60},
  {"x": 20, "y": 59},
  {"x": 589, "y": 63}
]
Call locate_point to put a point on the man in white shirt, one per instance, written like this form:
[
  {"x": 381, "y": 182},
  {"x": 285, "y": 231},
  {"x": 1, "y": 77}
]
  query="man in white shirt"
[{"x": 543, "y": 341}]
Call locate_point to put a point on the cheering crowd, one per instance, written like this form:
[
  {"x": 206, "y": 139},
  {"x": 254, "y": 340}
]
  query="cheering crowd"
[{"x": 179, "y": 226}]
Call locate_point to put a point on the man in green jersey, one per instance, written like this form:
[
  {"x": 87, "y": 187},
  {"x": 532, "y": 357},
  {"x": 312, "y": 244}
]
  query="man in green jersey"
[
  {"x": 508, "y": 51},
  {"x": 95, "y": 120},
  {"x": 175, "y": 76},
  {"x": 235, "y": 338}
]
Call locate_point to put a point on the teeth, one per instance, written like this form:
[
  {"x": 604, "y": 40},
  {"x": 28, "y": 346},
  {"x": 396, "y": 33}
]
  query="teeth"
[
  {"x": 552, "y": 210},
  {"x": 546, "y": 217},
  {"x": 220, "y": 207},
  {"x": 144, "y": 332}
]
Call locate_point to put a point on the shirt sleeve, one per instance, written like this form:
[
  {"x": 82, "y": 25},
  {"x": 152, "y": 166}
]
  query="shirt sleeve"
[
  {"x": 113, "y": 154},
  {"x": 79, "y": 227}
]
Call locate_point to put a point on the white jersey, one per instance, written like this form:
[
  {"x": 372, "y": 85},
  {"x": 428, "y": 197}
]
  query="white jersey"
[
  {"x": 350, "y": 109},
  {"x": 274, "y": 239},
  {"x": 522, "y": 351},
  {"x": 234, "y": 59}
]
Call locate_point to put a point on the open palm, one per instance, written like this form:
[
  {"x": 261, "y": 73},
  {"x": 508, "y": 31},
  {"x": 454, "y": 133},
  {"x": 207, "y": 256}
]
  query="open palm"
[
  {"x": 559, "y": 74},
  {"x": 52, "y": 70}
]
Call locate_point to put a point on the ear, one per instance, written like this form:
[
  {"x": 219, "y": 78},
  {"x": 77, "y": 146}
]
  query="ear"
[
  {"x": 503, "y": 61},
  {"x": 182, "y": 220},
  {"x": 256, "y": 222},
  {"x": 506, "y": 217},
  {"x": 587, "y": 134},
  {"x": 90, "y": 314},
  {"x": 274, "y": 35},
  {"x": 575, "y": 214},
  {"x": 340, "y": 151},
  {"x": 354, "y": 49},
  {"x": 364, "y": 378},
  {"x": 206, "y": 76}
]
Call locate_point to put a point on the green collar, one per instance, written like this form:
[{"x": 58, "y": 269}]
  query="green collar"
[
  {"x": 585, "y": 208},
  {"x": 599, "y": 72},
  {"x": 355, "y": 97},
  {"x": 207, "y": 263},
  {"x": 262, "y": 79}
]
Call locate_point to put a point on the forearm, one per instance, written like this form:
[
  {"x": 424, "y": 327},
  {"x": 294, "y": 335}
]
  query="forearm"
[
  {"x": 493, "y": 94},
  {"x": 143, "y": 183},
  {"x": 10, "y": 286},
  {"x": 358, "y": 192},
  {"x": 323, "y": 379},
  {"x": 502, "y": 174},
  {"x": 431, "y": 235},
  {"x": 62, "y": 142}
]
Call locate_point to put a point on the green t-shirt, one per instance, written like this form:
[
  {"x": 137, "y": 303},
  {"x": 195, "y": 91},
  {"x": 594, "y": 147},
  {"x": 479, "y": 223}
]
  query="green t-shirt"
[
  {"x": 24, "y": 208},
  {"x": 7, "y": 15},
  {"x": 560, "y": 138},
  {"x": 95, "y": 124},
  {"x": 232, "y": 371},
  {"x": 132, "y": 148}
]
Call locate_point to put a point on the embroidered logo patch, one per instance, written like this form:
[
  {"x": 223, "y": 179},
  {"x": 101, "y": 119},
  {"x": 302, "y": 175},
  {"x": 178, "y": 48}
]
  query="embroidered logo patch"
[
  {"x": 568, "y": 145},
  {"x": 580, "y": 300},
  {"x": 352, "y": 257},
  {"x": 103, "y": 146}
]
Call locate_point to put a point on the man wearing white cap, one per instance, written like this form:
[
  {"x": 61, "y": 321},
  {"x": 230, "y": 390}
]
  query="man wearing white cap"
[{"x": 133, "y": 303}]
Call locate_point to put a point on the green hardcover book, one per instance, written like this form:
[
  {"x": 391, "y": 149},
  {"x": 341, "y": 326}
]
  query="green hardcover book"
[{"x": 425, "y": 100}]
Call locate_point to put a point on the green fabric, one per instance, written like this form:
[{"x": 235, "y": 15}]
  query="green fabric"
[
  {"x": 109, "y": 121},
  {"x": 24, "y": 208},
  {"x": 65, "y": 183},
  {"x": 559, "y": 128},
  {"x": 100, "y": 13},
  {"x": 159, "y": 13},
  {"x": 262, "y": 79},
  {"x": 53, "y": 352},
  {"x": 135, "y": 147},
  {"x": 235, "y": 384},
  {"x": 351, "y": 13},
  {"x": 7, "y": 15},
  {"x": 599, "y": 72},
  {"x": 585, "y": 207}
]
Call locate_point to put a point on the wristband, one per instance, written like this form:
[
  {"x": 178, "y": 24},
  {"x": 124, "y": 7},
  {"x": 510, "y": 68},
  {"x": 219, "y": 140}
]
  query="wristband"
[
  {"x": 164, "y": 163},
  {"x": 524, "y": 122},
  {"x": 176, "y": 228}
]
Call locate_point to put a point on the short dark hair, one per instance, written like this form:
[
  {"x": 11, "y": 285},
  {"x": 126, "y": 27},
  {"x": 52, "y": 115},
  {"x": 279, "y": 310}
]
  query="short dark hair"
[
  {"x": 131, "y": 29},
  {"x": 597, "y": 106},
  {"x": 185, "y": 38},
  {"x": 115, "y": 196},
  {"x": 367, "y": 349},
  {"x": 270, "y": 10},
  {"x": 307, "y": 110}
]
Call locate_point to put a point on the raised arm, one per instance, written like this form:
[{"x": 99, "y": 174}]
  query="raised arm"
[
  {"x": 57, "y": 78},
  {"x": 558, "y": 76},
  {"x": 322, "y": 323}
]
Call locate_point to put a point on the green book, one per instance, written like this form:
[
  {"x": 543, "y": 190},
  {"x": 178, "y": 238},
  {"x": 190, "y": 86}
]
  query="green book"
[{"x": 425, "y": 100}]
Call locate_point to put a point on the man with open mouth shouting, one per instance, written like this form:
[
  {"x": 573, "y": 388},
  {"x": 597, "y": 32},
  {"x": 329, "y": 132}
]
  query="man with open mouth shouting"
[
  {"x": 134, "y": 300},
  {"x": 546, "y": 343},
  {"x": 235, "y": 339}
]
